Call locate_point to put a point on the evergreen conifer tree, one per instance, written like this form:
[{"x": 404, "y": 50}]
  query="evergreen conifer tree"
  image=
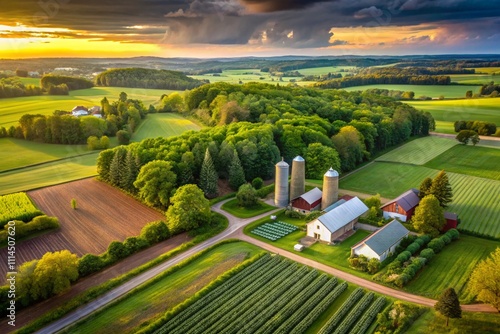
[
  {"x": 441, "y": 188},
  {"x": 448, "y": 305},
  {"x": 425, "y": 187},
  {"x": 117, "y": 167},
  {"x": 208, "y": 176},
  {"x": 236, "y": 172}
]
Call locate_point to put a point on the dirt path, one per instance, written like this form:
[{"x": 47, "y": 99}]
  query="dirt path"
[{"x": 25, "y": 316}]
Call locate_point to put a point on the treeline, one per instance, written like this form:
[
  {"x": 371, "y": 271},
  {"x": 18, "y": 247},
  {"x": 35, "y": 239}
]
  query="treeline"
[
  {"x": 415, "y": 70},
  {"x": 322, "y": 77},
  {"x": 377, "y": 79},
  {"x": 490, "y": 89},
  {"x": 395, "y": 94},
  {"x": 13, "y": 87},
  {"x": 146, "y": 78},
  {"x": 62, "y": 82},
  {"x": 259, "y": 123},
  {"x": 481, "y": 128},
  {"x": 293, "y": 65},
  {"x": 120, "y": 118}
]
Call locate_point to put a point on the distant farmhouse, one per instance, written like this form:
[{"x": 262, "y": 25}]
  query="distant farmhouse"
[
  {"x": 83, "y": 111},
  {"x": 379, "y": 244}
]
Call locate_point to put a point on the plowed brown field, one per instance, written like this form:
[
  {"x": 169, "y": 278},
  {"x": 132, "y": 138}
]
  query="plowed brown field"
[{"x": 104, "y": 214}]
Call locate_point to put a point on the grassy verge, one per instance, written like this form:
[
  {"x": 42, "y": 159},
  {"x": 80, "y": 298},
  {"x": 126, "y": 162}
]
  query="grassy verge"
[
  {"x": 95, "y": 292},
  {"x": 166, "y": 290},
  {"x": 233, "y": 208},
  {"x": 216, "y": 200}
]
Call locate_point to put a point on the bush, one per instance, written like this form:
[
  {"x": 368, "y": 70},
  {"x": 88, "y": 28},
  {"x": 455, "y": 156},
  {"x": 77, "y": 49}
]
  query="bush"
[
  {"x": 312, "y": 215},
  {"x": 453, "y": 234},
  {"x": 117, "y": 250},
  {"x": 410, "y": 270},
  {"x": 104, "y": 142},
  {"x": 405, "y": 242},
  {"x": 427, "y": 254},
  {"x": 445, "y": 238},
  {"x": 425, "y": 238},
  {"x": 134, "y": 244},
  {"x": 93, "y": 143},
  {"x": 402, "y": 280},
  {"x": 88, "y": 264},
  {"x": 420, "y": 242},
  {"x": 404, "y": 256},
  {"x": 394, "y": 267},
  {"x": 123, "y": 137},
  {"x": 373, "y": 266},
  {"x": 436, "y": 245},
  {"x": 155, "y": 232},
  {"x": 257, "y": 183},
  {"x": 264, "y": 191},
  {"x": 293, "y": 214},
  {"x": 359, "y": 262},
  {"x": 73, "y": 204},
  {"x": 413, "y": 248},
  {"x": 247, "y": 196}
]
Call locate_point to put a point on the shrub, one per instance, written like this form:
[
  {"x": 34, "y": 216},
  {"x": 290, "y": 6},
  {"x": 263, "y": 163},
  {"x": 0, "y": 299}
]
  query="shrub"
[
  {"x": 123, "y": 137},
  {"x": 264, "y": 191},
  {"x": 413, "y": 248},
  {"x": 134, "y": 244},
  {"x": 247, "y": 196},
  {"x": 425, "y": 238},
  {"x": 312, "y": 215},
  {"x": 293, "y": 214},
  {"x": 93, "y": 143},
  {"x": 436, "y": 245},
  {"x": 453, "y": 234},
  {"x": 404, "y": 256},
  {"x": 373, "y": 266},
  {"x": 257, "y": 183},
  {"x": 88, "y": 264},
  {"x": 427, "y": 254},
  {"x": 446, "y": 239},
  {"x": 405, "y": 242},
  {"x": 117, "y": 250},
  {"x": 104, "y": 142},
  {"x": 359, "y": 262},
  {"x": 410, "y": 270},
  {"x": 402, "y": 280},
  {"x": 73, "y": 204},
  {"x": 155, "y": 232},
  {"x": 394, "y": 267}
]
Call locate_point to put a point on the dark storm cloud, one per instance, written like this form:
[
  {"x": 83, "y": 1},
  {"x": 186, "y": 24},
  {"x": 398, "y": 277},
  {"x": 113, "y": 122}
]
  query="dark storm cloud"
[{"x": 293, "y": 23}]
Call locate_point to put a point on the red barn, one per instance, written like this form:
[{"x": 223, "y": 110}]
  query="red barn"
[
  {"x": 451, "y": 221},
  {"x": 402, "y": 207},
  {"x": 309, "y": 201}
]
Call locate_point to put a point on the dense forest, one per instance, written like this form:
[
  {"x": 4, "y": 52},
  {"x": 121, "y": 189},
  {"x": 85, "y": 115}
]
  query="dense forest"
[
  {"x": 72, "y": 83},
  {"x": 259, "y": 123},
  {"x": 13, "y": 87},
  {"x": 146, "y": 78}
]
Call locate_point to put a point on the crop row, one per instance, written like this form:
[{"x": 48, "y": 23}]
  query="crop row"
[
  {"x": 367, "y": 318},
  {"x": 319, "y": 309},
  {"x": 342, "y": 311},
  {"x": 355, "y": 313},
  {"x": 224, "y": 315},
  {"x": 270, "y": 304},
  {"x": 196, "y": 323},
  {"x": 237, "y": 281},
  {"x": 17, "y": 206}
]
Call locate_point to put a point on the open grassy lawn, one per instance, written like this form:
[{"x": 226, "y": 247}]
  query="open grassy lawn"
[
  {"x": 233, "y": 208},
  {"x": 14, "y": 108},
  {"x": 475, "y": 161},
  {"x": 15, "y": 153},
  {"x": 448, "y": 91},
  {"x": 30, "y": 81},
  {"x": 163, "y": 125},
  {"x": 73, "y": 168},
  {"x": 156, "y": 298},
  {"x": 452, "y": 268},
  {"x": 419, "y": 151},
  {"x": 446, "y": 112},
  {"x": 470, "y": 323}
]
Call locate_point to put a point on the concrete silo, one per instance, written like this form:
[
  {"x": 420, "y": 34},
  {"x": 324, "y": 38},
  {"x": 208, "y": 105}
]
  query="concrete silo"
[
  {"x": 298, "y": 182},
  {"x": 330, "y": 188},
  {"x": 281, "y": 184}
]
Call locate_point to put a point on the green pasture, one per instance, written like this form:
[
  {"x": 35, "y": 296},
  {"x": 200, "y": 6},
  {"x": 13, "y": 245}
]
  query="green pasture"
[
  {"x": 452, "y": 268},
  {"x": 473, "y": 79},
  {"x": 326, "y": 70},
  {"x": 434, "y": 91},
  {"x": 470, "y": 160},
  {"x": 236, "y": 210},
  {"x": 470, "y": 323},
  {"x": 156, "y": 298},
  {"x": 13, "y": 108},
  {"x": 163, "y": 125},
  {"x": 247, "y": 75},
  {"x": 47, "y": 174},
  {"x": 419, "y": 151},
  {"x": 30, "y": 81}
]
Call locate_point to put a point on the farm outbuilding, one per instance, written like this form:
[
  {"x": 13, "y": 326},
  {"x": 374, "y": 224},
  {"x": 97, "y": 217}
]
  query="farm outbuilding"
[
  {"x": 309, "y": 201},
  {"x": 403, "y": 206},
  {"x": 338, "y": 221},
  {"x": 451, "y": 221},
  {"x": 384, "y": 241}
]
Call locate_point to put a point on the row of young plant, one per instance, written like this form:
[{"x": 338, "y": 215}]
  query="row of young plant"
[
  {"x": 354, "y": 314},
  {"x": 17, "y": 206},
  {"x": 402, "y": 270},
  {"x": 335, "y": 320}
]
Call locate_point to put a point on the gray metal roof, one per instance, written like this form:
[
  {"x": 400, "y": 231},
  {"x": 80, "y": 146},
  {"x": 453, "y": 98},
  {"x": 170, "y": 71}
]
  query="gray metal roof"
[
  {"x": 298, "y": 158},
  {"x": 282, "y": 163},
  {"x": 387, "y": 236},
  {"x": 343, "y": 214},
  {"x": 407, "y": 200},
  {"x": 332, "y": 173},
  {"x": 450, "y": 215},
  {"x": 334, "y": 205},
  {"x": 312, "y": 195}
]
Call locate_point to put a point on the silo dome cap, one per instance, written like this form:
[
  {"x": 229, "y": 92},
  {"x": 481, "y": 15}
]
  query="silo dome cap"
[
  {"x": 298, "y": 158},
  {"x": 282, "y": 163},
  {"x": 332, "y": 173}
]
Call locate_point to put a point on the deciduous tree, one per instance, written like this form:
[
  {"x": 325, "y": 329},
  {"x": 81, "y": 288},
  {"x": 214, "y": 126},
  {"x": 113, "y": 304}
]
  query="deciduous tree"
[
  {"x": 189, "y": 209},
  {"x": 155, "y": 183},
  {"x": 319, "y": 159},
  {"x": 247, "y": 196},
  {"x": 484, "y": 281},
  {"x": 428, "y": 217},
  {"x": 448, "y": 305}
]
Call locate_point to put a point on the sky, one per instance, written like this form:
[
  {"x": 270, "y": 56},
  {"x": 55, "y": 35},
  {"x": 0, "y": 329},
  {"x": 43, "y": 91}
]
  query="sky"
[{"x": 231, "y": 28}]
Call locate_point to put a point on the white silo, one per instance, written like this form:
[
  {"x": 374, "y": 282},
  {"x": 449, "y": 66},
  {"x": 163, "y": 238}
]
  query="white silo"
[
  {"x": 330, "y": 188},
  {"x": 281, "y": 184},
  {"x": 298, "y": 182}
]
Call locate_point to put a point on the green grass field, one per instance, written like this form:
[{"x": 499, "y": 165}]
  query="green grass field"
[
  {"x": 473, "y": 79},
  {"x": 470, "y": 323},
  {"x": 470, "y": 160},
  {"x": 446, "y": 112},
  {"x": 419, "y": 151},
  {"x": 248, "y": 75},
  {"x": 163, "y": 125},
  {"x": 50, "y": 173},
  {"x": 14, "y": 108},
  {"x": 434, "y": 91},
  {"x": 233, "y": 208},
  {"x": 452, "y": 268},
  {"x": 156, "y": 298},
  {"x": 325, "y": 70}
]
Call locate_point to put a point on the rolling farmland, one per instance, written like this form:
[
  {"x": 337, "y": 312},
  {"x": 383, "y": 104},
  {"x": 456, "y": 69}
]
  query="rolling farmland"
[
  {"x": 163, "y": 125},
  {"x": 97, "y": 211},
  {"x": 434, "y": 91}
]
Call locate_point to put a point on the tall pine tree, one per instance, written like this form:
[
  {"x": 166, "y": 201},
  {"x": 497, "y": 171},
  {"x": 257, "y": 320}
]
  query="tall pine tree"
[
  {"x": 117, "y": 168},
  {"x": 441, "y": 189},
  {"x": 236, "y": 172},
  {"x": 131, "y": 171},
  {"x": 448, "y": 305},
  {"x": 425, "y": 187},
  {"x": 208, "y": 176}
]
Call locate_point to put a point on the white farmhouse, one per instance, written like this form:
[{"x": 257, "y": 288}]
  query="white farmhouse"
[
  {"x": 381, "y": 243},
  {"x": 340, "y": 220}
]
